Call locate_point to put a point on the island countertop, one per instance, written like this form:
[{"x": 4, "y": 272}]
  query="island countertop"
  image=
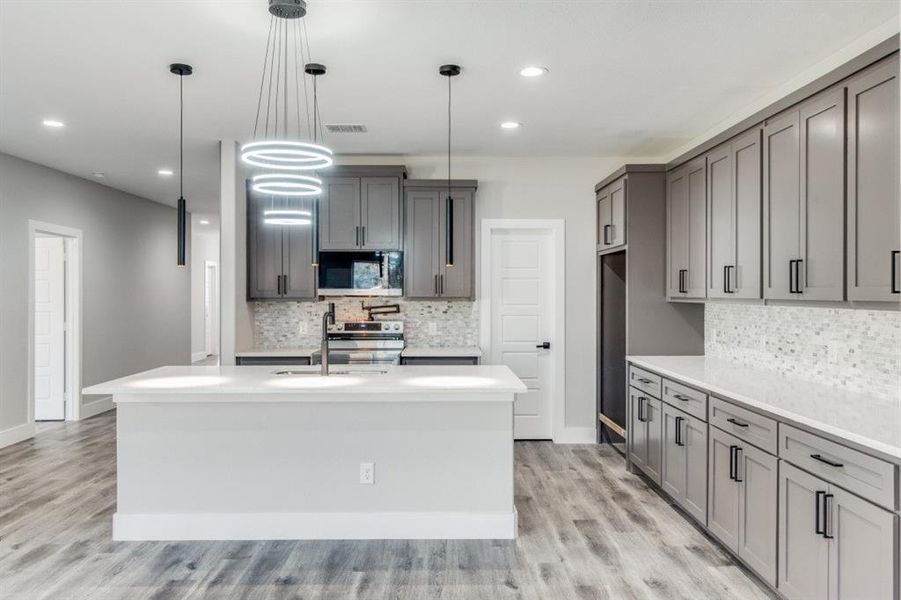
[
  {"x": 865, "y": 420},
  {"x": 304, "y": 384}
]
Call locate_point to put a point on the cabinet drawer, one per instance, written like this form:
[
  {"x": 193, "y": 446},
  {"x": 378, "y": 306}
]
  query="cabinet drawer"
[
  {"x": 742, "y": 423},
  {"x": 645, "y": 381},
  {"x": 866, "y": 476},
  {"x": 685, "y": 399}
]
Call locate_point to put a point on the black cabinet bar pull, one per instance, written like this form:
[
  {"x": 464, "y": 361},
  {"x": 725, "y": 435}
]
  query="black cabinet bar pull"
[
  {"x": 732, "y": 450},
  {"x": 725, "y": 279},
  {"x": 643, "y": 380},
  {"x": 738, "y": 452},
  {"x": 820, "y": 458},
  {"x": 730, "y": 280},
  {"x": 441, "y": 284},
  {"x": 606, "y": 237},
  {"x": 681, "y": 397},
  {"x": 827, "y": 516},
  {"x": 363, "y": 235},
  {"x": 736, "y": 423},
  {"x": 816, "y": 526},
  {"x": 435, "y": 285},
  {"x": 641, "y": 417},
  {"x": 798, "y": 276},
  {"x": 895, "y": 288},
  {"x": 791, "y": 277},
  {"x": 285, "y": 285},
  {"x": 679, "y": 440}
]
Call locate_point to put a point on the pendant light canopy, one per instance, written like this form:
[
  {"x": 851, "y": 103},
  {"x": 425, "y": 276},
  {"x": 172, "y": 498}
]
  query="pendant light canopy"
[
  {"x": 181, "y": 70},
  {"x": 283, "y": 127},
  {"x": 449, "y": 71}
]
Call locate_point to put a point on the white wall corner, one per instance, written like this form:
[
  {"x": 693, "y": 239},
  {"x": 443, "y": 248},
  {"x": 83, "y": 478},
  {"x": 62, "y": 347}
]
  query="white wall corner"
[
  {"x": 16, "y": 434},
  {"x": 95, "y": 407}
]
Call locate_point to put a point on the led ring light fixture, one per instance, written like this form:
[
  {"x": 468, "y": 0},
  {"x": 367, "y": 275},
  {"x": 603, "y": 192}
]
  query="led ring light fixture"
[
  {"x": 287, "y": 184},
  {"x": 287, "y": 156}
]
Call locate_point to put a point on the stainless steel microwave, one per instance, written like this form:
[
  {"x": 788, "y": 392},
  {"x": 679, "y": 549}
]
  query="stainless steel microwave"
[{"x": 361, "y": 274}]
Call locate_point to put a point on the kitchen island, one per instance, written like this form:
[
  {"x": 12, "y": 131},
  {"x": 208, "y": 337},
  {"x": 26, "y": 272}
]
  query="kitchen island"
[{"x": 240, "y": 453}]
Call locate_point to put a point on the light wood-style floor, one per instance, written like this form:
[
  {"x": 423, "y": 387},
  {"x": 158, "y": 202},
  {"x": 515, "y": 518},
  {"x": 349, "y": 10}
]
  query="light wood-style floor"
[{"x": 588, "y": 529}]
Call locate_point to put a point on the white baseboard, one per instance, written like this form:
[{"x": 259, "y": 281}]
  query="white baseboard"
[
  {"x": 96, "y": 407},
  {"x": 16, "y": 434},
  {"x": 577, "y": 435},
  {"x": 195, "y": 356},
  {"x": 315, "y": 526}
]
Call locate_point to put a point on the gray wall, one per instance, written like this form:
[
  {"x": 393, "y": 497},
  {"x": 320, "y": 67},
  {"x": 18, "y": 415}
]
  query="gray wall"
[{"x": 136, "y": 303}]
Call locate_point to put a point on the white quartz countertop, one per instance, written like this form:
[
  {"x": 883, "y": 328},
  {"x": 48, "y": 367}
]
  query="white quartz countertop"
[
  {"x": 868, "y": 421},
  {"x": 304, "y": 384},
  {"x": 283, "y": 352},
  {"x": 453, "y": 351}
]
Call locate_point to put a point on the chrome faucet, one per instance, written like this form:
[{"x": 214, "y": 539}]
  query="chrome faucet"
[{"x": 328, "y": 318}]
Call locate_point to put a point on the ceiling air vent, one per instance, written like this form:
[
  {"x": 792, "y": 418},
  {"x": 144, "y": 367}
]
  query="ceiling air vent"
[{"x": 345, "y": 128}]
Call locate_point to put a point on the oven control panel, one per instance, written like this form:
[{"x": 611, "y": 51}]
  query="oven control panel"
[{"x": 364, "y": 327}]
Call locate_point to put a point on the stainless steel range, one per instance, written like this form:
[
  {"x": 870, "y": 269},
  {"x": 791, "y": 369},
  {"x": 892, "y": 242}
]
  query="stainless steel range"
[{"x": 364, "y": 343}]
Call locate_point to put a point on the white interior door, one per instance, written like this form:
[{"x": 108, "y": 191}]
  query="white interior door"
[
  {"x": 49, "y": 329},
  {"x": 522, "y": 319}
]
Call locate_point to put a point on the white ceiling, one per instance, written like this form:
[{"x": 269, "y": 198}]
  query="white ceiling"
[{"x": 626, "y": 78}]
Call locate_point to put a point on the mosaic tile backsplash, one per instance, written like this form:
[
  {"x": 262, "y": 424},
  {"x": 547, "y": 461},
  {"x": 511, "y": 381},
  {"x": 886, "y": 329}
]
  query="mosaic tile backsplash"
[
  {"x": 280, "y": 325},
  {"x": 853, "y": 349}
]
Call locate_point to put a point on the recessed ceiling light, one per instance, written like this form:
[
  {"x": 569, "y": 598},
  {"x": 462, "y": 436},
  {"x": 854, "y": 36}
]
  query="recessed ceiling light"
[
  {"x": 510, "y": 125},
  {"x": 204, "y": 222},
  {"x": 165, "y": 172},
  {"x": 98, "y": 174},
  {"x": 533, "y": 71},
  {"x": 53, "y": 123}
]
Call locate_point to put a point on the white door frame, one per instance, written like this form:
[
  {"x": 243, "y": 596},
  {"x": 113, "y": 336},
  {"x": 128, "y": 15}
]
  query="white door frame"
[
  {"x": 557, "y": 230},
  {"x": 73, "y": 240},
  {"x": 211, "y": 325}
]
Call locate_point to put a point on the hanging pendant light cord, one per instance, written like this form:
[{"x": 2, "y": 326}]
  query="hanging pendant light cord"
[
  {"x": 448, "y": 137},
  {"x": 181, "y": 136}
]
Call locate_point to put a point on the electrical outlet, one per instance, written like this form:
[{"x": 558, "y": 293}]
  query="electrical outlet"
[
  {"x": 303, "y": 328},
  {"x": 367, "y": 473},
  {"x": 433, "y": 328}
]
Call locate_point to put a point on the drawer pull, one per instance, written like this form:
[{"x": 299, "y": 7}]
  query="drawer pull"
[
  {"x": 643, "y": 380},
  {"x": 826, "y": 461},
  {"x": 736, "y": 423},
  {"x": 681, "y": 397}
]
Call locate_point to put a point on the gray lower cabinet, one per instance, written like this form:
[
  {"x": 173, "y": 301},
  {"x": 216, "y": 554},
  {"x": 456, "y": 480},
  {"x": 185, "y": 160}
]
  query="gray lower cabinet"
[
  {"x": 803, "y": 201},
  {"x": 686, "y": 226},
  {"x": 646, "y": 441},
  {"x": 360, "y": 213},
  {"x": 832, "y": 544},
  {"x": 733, "y": 218},
  {"x": 611, "y": 204},
  {"x": 874, "y": 272},
  {"x": 428, "y": 272},
  {"x": 279, "y": 257},
  {"x": 743, "y": 501},
  {"x": 683, "y": 472}
]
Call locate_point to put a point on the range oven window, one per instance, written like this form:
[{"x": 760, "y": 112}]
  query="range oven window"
[{"x": 359, "y": 272}]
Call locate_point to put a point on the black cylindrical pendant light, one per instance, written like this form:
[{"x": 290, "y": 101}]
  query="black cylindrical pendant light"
[
  {"x": 449, "y": 71},
  {"x": 181, "y": 70}
]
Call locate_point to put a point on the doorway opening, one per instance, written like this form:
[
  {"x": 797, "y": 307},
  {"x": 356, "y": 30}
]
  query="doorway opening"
[
  {"x": 211, "y": 310},
  {"x": 54, "y": 323}
]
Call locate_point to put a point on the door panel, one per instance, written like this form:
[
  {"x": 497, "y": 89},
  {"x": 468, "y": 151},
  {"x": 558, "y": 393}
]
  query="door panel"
[
  {"x": 604, "y": 218},
  {"x": 695, "y": 440},
  {"x": 860, "y": 555},
  {"x": 339, "y": 213},
  {"x": 676, "y": 230},
  {"x": 672, "y": 473},
  {"x": 746, "y": 163},
  {"x": 721, "y": 215},
  {"x": 264, "y": 244},
  {"x": 654, "y": 416},
  {"x": 380, "y": 213},
  {"x": 456, "y": 280},
  {"x": 297, "y": 256},
  {"x": 49, "y": 329},
  {"x": 781, "y": 203},
  {"x": 617, "y": 233},
  {"x": 697, "y": 229},
  {"x": 873, "y": 189},
  {"x": 723, "y": 498},
  {"x": 522, "y": 319},
  {"x": 421, "y": 254},
  {"x": 803, "y": 553},
  {"x": 637, "y": 429},
  {"x": 822, "y": 276},
  {"x": 758, "y": 516}
]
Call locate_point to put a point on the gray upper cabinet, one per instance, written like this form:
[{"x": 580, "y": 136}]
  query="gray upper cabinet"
[
  {"x": 611, "y": 204},
  {"x": 686, "y": 200},
  {"x": 279, "y": 257},
  {"x": 359, "y": 211},
  {"x": 874, "y": 272},
  {"x": 733, "y": 213},
  {"x": 803, "y": 204},
  {"x": 427, "y": 269}
]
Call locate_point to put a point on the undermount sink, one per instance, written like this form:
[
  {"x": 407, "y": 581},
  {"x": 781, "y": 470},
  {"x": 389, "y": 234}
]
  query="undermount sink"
[{"x": 340, "y": 371}]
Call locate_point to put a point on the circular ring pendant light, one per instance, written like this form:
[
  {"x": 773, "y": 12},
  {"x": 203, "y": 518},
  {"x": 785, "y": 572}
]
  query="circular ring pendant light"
[{"x": 283, "y": 116}]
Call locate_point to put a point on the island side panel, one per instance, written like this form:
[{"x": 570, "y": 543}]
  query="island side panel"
[{"x": 200, "y": 470}]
